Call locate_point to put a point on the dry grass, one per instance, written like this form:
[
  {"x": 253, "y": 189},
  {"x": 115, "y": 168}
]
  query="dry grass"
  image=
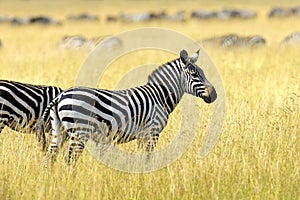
[{"x": 257, "y": 156}]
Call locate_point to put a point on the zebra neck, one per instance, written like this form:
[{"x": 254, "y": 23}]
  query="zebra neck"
[
  {"x": 165, "y": 96},
  {"x": 167, "y": 84}
]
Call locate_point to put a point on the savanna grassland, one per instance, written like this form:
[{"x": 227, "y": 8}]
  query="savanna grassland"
[{"x": 258, "y": 153}]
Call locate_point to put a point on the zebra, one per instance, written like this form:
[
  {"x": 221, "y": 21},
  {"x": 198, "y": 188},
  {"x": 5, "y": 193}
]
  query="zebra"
[
  {"x": 138, "y": 113},
  {"x": 79, "y": 41},
  {"x": 21, "y": 105},
  {"x": 292, "y": 40},
  {"x": 231, "y": 41}
]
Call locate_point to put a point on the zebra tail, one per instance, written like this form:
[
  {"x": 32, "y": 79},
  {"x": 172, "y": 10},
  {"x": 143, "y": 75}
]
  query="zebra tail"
[{"x": 44, "y": 120}]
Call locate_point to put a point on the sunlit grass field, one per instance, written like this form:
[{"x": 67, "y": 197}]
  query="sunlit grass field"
[{"x": 258, "y": 153}]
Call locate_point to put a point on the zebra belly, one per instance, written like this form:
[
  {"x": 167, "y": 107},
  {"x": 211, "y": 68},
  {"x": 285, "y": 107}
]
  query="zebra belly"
[{"x": 99, "y": 127}]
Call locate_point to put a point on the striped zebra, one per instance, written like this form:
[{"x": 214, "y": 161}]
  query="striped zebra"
[
  {"x": 21, "y": 105},
  {"x": 235, "y": 41},
  {"x": 137, "y": 113},
  {"x": 292, "y": 40},
  {"x": 232, "y": 41}
]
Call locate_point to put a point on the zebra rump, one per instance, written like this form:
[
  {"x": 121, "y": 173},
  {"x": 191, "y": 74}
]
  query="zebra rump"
[{"x": 21, "y": 105}]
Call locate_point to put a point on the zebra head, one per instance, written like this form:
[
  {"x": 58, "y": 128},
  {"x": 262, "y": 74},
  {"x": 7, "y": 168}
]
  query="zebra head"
[{"x": 193, "y": 79}]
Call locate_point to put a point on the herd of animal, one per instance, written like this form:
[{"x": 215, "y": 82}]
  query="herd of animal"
[
  {"x": 227, "y": 41},
  {"x": 181, "y": 15}
]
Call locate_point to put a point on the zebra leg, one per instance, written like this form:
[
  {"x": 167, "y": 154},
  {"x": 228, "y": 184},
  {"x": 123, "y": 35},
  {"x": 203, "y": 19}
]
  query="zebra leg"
[
  {"x": 146, "y": 141},
  {"x": 64, "y": 138},
  {"x": 1, "y": 127},
  {"x": 40, "y": 134},
  {"x": 141, "y": 144},
  {"x": 151, "y": 142},
  {"x": 3, "y": 123},
  {"x": 77, "y": 143},
  {"x": 55, "y": 138}
]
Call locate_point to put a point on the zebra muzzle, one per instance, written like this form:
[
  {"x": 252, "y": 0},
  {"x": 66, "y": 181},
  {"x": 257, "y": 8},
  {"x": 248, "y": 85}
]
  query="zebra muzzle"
[{"x": 211, "y": 95}]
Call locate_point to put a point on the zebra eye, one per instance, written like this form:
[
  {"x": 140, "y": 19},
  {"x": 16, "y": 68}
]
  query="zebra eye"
[{"x": 193, "y": 72}]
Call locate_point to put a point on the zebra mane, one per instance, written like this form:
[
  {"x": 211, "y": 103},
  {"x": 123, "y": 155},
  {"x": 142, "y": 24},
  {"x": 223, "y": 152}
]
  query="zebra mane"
[{"x": 158, "y": 71}]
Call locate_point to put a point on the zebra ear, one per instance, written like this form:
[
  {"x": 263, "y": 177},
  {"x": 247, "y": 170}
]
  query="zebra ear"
[
  {"x": 184, "y": 56},
  {"x": 195, "y": 56}
]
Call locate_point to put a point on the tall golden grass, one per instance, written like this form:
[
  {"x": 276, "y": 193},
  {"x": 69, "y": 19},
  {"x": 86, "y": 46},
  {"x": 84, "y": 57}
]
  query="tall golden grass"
[{"x": 257, "y": 156}]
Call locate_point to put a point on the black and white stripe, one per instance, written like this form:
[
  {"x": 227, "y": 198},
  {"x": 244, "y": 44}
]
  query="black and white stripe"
[
  {"x": 137, "y": 113},
  {"x": 21, "y": 105}
]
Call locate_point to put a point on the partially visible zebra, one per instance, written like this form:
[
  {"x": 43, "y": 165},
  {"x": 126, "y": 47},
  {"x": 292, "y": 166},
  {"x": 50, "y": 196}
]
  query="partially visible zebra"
[
  {"x": 291, "y": 40},
  {"x": 137, "y": 113},
  {"x": 224, "y": 14},
  {"x": 284, "y": 12},
  {"x": 231, "y": 41},
  {"x": 21, "y": 105},
  {"x": 78, "y": 41}
]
